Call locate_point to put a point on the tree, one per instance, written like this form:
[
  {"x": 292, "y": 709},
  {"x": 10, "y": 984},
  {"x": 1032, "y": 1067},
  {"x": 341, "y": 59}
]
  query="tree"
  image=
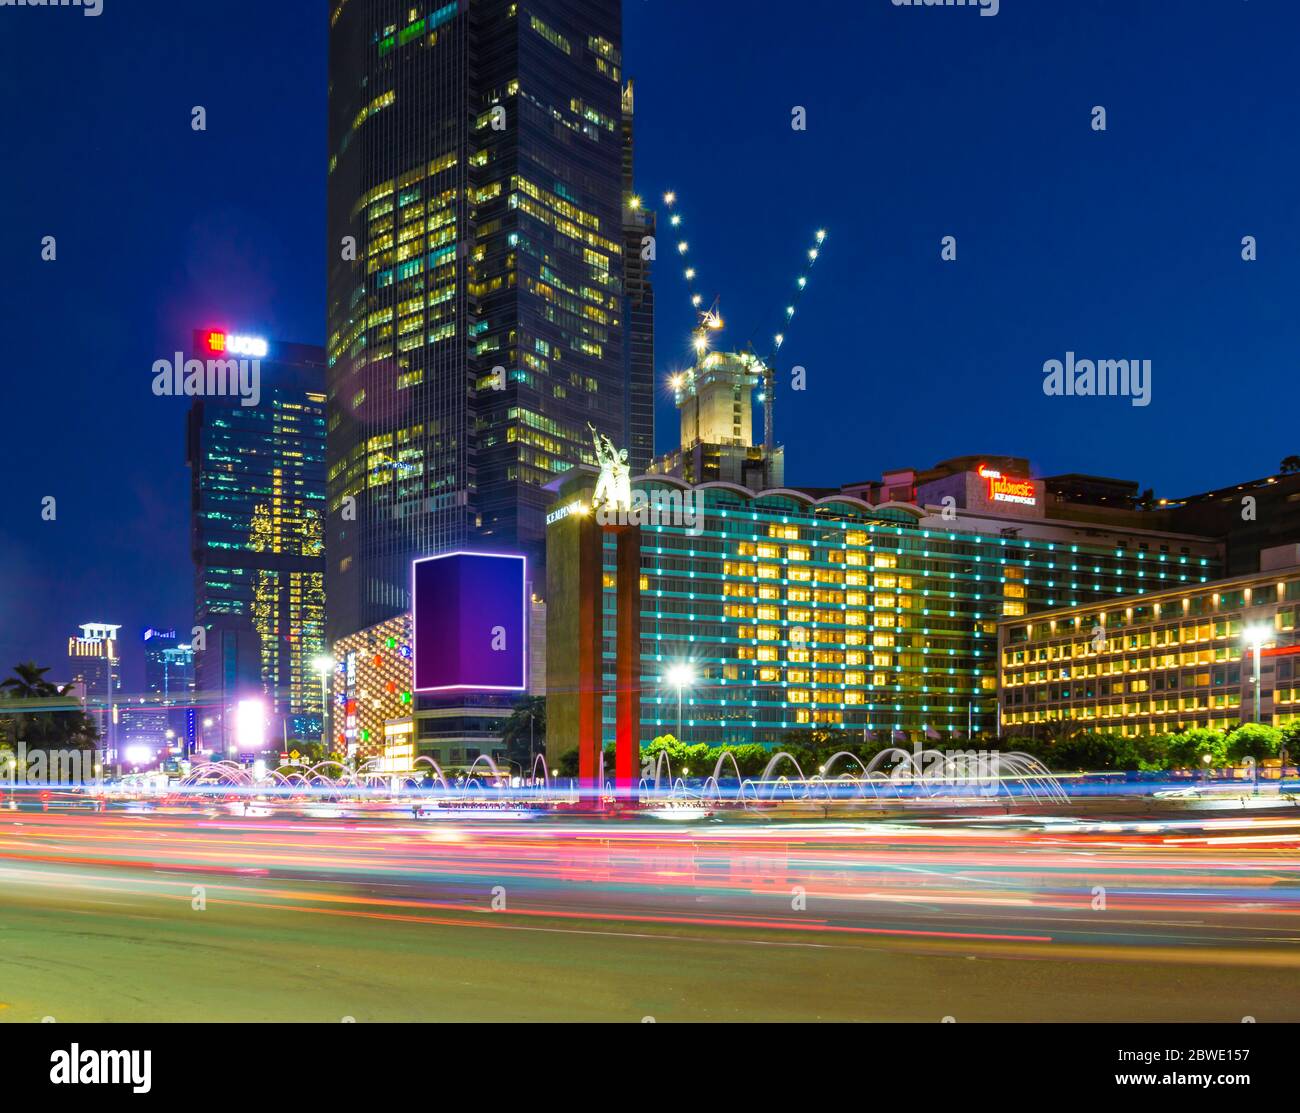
[
  {"x": 310, "y": 750},
  {"x": 1096, "y": 751},
  {"x": 1290, "y": 465},
  {"x": 38, "y": 712},
  {"x": 524, "y": 732},
  {"x": 1290, "y": 742},
  {"x": 1189, "y": 749},
  {"x": 28, "y": 682},
  {"x": 683, "y": 758},
  {"x": 1255, "y": 741}
]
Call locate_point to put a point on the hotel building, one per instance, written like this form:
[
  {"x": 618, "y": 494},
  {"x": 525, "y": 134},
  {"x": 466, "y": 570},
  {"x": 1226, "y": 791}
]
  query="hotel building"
[
  {"x": 843, "y": 609},
  {"x": 94, "y": 658},
  {"x": 1170, "y": 659}
]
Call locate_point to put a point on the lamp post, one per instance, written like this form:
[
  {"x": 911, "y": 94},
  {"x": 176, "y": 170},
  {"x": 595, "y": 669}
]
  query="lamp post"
[
  {"x": 325, "y": 666},
  {"x": 1255, "y": 637},
  {"x": 532, "y": 757},
  {"x": 680, "y": 677}
]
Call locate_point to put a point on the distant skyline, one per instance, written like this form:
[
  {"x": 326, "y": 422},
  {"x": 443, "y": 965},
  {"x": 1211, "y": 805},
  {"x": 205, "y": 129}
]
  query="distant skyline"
[{"x": 922, "y": 123}]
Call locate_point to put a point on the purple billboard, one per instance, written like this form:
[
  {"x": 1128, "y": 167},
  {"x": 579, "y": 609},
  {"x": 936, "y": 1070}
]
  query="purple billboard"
[{"x": 469, "y": 617}]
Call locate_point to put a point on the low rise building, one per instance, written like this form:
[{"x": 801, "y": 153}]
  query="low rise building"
[{"x": 376, "y": 713}]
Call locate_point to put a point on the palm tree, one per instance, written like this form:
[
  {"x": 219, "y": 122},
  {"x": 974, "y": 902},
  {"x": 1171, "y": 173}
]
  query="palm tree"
[
  {"x": 524, "y": 732},
  {"x": 48, "y": 727},
  {"x": 28, "y": 682}
]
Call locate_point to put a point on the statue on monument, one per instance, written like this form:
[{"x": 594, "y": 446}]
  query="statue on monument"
[{"x": 614, "y": 484}]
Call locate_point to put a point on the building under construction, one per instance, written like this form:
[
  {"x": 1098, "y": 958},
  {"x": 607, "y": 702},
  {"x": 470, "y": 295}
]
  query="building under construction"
[
  {"x": 715, "y": 397},
  {"x": 715, "y": 401}
]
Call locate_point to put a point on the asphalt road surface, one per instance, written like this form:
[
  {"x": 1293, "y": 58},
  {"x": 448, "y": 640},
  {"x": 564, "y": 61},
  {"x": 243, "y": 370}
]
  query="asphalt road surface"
[{"x": 186, "y": 915}]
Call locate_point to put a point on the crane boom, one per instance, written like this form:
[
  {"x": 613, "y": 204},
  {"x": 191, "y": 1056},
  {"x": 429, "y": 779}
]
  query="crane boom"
[{"x": 769, "y": 364}]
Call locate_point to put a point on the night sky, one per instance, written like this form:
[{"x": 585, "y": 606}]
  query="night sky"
[{"x": 922, "y": 122}]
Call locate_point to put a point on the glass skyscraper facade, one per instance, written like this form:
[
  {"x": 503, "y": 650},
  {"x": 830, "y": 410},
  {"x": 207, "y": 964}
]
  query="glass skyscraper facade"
[
  {"x": 167, "y": 702},
  {"x": 639, "y": 230},
  {"x": 476, "y": 284},
  {"x": 257, "y": 477}
]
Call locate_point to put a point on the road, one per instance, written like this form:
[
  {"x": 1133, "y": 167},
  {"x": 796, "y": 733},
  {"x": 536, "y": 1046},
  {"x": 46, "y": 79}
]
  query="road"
[{"x": 186, "y": 915}]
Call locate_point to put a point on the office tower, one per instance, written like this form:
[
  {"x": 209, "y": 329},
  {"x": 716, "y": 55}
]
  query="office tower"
[
  {"x": 476, "y": 282},
  {"x": 257, "y": 478},
  {"x": 638, "y": 309},
  {"x": 155, "y": 721},
  {"x": 96, "y": 664},
  {"x": 169, "y": 679},
  {"x": 168, "y": 666}
]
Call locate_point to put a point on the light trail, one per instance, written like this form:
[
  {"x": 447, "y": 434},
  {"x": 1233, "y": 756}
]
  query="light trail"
[{"x": 916, "y": 882}]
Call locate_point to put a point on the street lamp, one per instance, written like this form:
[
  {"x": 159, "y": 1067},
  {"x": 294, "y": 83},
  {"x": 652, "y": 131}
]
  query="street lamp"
[
  {"x": 325, "y": 666},
  {"x": 1255, "y": 637},
  {"x": 680, "y": 676}
]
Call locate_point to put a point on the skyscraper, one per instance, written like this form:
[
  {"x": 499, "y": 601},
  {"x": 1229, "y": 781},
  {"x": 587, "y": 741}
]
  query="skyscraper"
[
  {"x": 96, "y": 663},
  {"x": 169, "y": 678},
  {"x": 638, "y": 310},
  {"x": 168, "y": 666},
  {"x": 257, "y": 480},
  {"x": 476, "y": 286},
  {"x": 166, "y": 704}
]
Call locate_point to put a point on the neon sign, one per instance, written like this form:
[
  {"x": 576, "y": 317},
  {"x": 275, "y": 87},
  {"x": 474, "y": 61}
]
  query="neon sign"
[
  {"x": 220, "y": 343},
  {"x": 1004, "y": 488}
]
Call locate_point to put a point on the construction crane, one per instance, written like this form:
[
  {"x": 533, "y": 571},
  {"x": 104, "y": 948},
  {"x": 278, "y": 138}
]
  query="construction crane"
[
  {"x": 710, "y": 319},
  {"x": 769, "y": 364}
]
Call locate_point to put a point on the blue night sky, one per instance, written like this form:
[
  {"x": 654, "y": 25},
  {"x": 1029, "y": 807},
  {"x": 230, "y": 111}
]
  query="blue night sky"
[{"x": 922, "y": 122}]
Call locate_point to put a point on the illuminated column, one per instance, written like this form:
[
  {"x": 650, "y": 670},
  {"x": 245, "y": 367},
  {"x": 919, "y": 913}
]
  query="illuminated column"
[
  {"x": 590, "y": 646},
  {"x": 627, "y": 730}
]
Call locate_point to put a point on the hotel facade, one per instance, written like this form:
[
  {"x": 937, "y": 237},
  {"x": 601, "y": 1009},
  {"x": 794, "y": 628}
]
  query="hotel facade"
[
  {"x": 1168, "y": 660},
  {"x": 798, "y": 609}
]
